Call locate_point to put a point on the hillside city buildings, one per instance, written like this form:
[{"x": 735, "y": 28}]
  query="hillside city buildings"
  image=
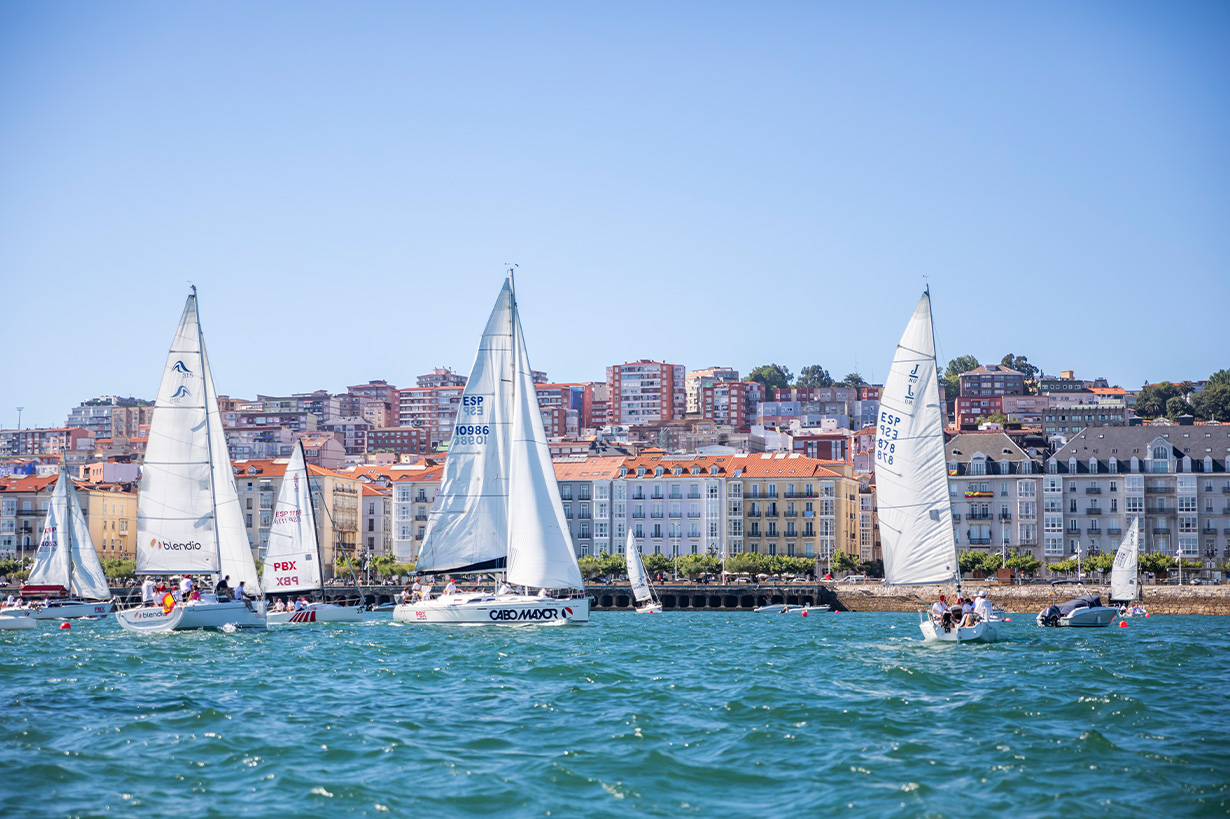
[{"x": 690, "y": 463}]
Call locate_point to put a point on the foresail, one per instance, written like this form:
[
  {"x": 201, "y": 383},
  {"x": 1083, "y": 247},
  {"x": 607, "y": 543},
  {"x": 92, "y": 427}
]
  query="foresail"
[
  {"x": 636, "y": 571},
  {"x": 468, "y": 526},
  {"x": 539, "y": 545},
  {"x": 175, "y": 507},
  {"x": 1123, "y": 574},
  {"x": 911, "y": 474},
  {"x": 234, "y": 549},
  {"x": 89, "y": 579},
  {"x": 51, "y": 560},
  {"x": 291, "y": 557}
]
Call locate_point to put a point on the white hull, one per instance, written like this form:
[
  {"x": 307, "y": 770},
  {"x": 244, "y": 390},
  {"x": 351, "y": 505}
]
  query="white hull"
[
  {"x": 316, "y": 613},
  {"x": 985, "y": 631},
  {"x": 1097, "y": 617},
  {"x": 650, "y": 608},
  {"x": 493, "y": 610},
  {"x": 70, "y": 609},
  {"x": 781, "y": 608},
  {"x": 15, "y": 619},
  {"x": 196, "y": 615}
]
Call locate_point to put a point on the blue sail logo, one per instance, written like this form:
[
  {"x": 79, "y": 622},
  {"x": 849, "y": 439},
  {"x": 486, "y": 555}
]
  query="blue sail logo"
[
  {"x": 181, "y": 369},
  {"x": 180, "y": 393}
]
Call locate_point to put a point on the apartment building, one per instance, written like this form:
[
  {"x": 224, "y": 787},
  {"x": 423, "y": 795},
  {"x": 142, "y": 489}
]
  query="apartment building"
[
  {"x": 433, "y": 409},
  {"x": 351, "y": 432},
  {"x": 868, "y": 523},
  {"x": 110, "y": 511},
  {"x": 37, "y": 442},
  {"x": 414, "y": 491},
  {"x": 645, "y": 392},
  {"x": 971, "y": 410},
  {"x": 1174, "y": 479},
  {"x": 375, "y": 521},
  {"x": 696, "y": 380},
  {"x": 786, "y": 504},
  {"x": 731, "y": 403},
  {"x": 257, "y": 442},
  {"x": 109, "y": 416},
  {"x": 441, "y": 377},
  {"x": 673, "y": 504},
  {"x": 566, "y": 408},
  {"x": 1068, "y": 413},
  {"x": 401, "y": 440},
  {"x": 586, "y": 491},
  {"x": 1027, "y": 410},
  {"x": 23, "y": 506},
  {"x": 1068, "y": 382},
  {"x": 600, "y": 407},
  {"x": 992, "y": 379},
  {"x": 995, "y": 488}
]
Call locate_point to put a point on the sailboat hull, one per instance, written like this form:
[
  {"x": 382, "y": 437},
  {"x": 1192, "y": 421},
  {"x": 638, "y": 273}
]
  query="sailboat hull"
[
  {"x": 493, "y": 610},
  {"x": 650, "y": 608},
  {"x": 986, "y": 631},
  {"x": 316, "y": 613},
  {"x": 152, "y": 619},
  {"x": 15, "y": 619},
  {"x": 72, "y": 609}
]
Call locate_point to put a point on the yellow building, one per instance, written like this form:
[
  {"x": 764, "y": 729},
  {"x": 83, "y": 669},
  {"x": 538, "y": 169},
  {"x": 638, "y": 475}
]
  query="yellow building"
[{"x": 111, "y": 514}]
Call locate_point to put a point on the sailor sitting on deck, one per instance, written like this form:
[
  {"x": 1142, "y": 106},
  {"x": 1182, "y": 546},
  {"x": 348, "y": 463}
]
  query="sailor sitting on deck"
[
  {"x": 241, "y": 595},
  {"x": 450, "y": 588},
  {"x": 406, "y": 596},
  {"x": 940, "y": 613},
  {"x": 505, "y": 588},
  {"x": 543, "y": 593}
]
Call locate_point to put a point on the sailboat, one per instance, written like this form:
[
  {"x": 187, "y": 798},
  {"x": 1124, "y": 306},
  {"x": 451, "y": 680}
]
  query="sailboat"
[
  {"x": 498, "y": 507},
  {"x": 66, "y": 565},
  {"x": 293, "y": 560},
  {"x": 1087, "y": 611},
  {"x": 646, "y": 601},
  {"x": 912, "y": 477},
  {"x": 188, "y": 517}
]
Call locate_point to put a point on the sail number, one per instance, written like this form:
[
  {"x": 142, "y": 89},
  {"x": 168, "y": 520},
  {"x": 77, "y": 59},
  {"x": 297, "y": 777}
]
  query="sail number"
[
  {"x": 886, "y": 437},
  {"x": 471, "y": 433}
]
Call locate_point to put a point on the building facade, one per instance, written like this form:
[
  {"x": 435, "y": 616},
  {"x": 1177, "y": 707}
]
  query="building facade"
[
  {"x": 645, "y": 392},
  {"x": 996, "y": 490}
]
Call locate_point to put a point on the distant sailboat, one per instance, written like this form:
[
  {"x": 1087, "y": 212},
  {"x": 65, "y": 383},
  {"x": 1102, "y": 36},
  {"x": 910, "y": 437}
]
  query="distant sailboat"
[
  {"x": 188, "y": 517},
  {"x": 912, "y": 495},
  {"x": 1124, "y": 571},
  {"x": 646, "y": 601},
  {"x": 498, "y": 506},
  {"x": 293, "y": 560},
  {"x": 66, "y": 563}
]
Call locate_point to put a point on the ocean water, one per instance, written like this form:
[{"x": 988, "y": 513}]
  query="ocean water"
[{"x": 680, "y": 714}]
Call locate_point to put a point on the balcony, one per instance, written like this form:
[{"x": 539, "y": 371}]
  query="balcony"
[
  {"x": 693, "y": 514},
  {"x": 978, "y": 516},
  {"x": 1157, "y": 530},
  {"x": 1209, "y": 530},
  {"x": 753, "y": 514},
  {"x": 638, "y": 515},
  {"x": 1159, "y": 490},
  {"x": 1093, "y": 490},
  {"x": 1005, "y": 516},
  {"x": 1093, "y": 530},
  {"x": 1226, "y": 531},
  {"x": 676, "y": 496},
  {"x": 676, "y": 514},
  {"x": 1114, "y": 532},
  {"x": 1225, "y": 490},
  {"x": 1093, "y": 510},
  {"x": 1160, "y": 510},
  {"x": 655, "y": 515},
  {"x": 980, "y": 541},
  {"x": 420, "y": 518},
  {"x": 792, "y": 514},
  {"x": 693, "y": 496},
  {"x": 639, "y": 496},
  {"x": 1029, "y": 541}
]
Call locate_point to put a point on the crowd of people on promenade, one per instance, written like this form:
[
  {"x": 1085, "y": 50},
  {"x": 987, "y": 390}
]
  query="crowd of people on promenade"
[{"x": 963, "y": 612}]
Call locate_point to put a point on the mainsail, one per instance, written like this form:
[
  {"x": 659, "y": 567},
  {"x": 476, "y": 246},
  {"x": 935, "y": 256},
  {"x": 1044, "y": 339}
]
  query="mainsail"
[
  {"x": 292, "y": 559},
  {"x": 1123, "y": 572},
  {"x": 911, "y": 474},
  {"x": 66, "y": 555},
  {"x": 188, "y": 516},
  {"x": 468, "y": 528},
  {"x": 636, "y": 572},
  {"x": 539, "y": 546}
]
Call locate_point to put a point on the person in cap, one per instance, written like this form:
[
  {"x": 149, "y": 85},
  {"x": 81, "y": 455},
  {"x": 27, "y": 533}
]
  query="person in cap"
[{"x": 982, "y": 606}]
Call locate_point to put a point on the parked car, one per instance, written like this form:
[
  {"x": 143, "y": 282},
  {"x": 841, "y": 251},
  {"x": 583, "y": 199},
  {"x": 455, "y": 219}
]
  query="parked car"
[{"x": 853, "y": 578}]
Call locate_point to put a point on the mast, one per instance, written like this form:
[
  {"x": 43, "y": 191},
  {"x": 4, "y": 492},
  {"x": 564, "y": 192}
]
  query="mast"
[
  {"x": 512, "y": 364},
  {"x": 956, "y": 553},
  {"x": 213, "y": 490}
]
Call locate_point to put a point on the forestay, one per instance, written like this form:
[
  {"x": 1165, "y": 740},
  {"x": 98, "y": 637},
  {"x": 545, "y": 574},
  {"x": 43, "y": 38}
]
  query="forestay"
[
  {"x": 1123, "y": 574},
  {"x": 636, "y": 571},
  {"x": 911, "y": 474},
  {"x": 539, "y": 545},
  {"x": 468, "y": 527},
  {"x": 292, "y": 558}
]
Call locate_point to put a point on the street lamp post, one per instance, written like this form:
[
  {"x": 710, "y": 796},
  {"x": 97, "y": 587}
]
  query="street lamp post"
[{"x": 1078, "y": 562}]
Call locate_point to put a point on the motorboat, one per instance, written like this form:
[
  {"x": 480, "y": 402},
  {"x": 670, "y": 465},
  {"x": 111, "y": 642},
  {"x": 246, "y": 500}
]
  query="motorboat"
[{"x": 1085, "y": 611}]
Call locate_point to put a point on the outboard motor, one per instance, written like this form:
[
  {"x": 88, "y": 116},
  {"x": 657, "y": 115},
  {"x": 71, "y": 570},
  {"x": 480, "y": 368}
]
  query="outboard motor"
[{"x": 1049, "y": 616}]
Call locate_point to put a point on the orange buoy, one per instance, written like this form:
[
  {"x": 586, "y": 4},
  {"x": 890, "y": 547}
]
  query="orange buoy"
[{"x": 65, "y": 625}]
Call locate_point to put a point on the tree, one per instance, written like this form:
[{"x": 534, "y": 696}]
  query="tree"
[
  {"x": 695, "y": 566},
  {"x": 614, "y": 565},
  {"x": 872, "y": 568},
  {"x": 1177, "y": 406},
  {"x": 852, "y": 380},
  {"x": 814, "y": 375},
  {"x": 657, "y": 564},
  {"x": 952, "y": 378},
  {"x": 1221, "y": 378},
  {"x": 1155, "y": 563},
  {"x": 994, "y": 418},
  {"x": 1212, "y": 403},
  {"x": 773, "y": 376},
  {"x": 844, "y": 561},
  {"x": 1025, "y": 563},
  {"x": 1021, "y": 364},
  {"x": 1151, "y": 403},
  {"x": 115, "y": 568},
  {"x": 1064, "y": 566},
  {"x": 590, "y": 567}
]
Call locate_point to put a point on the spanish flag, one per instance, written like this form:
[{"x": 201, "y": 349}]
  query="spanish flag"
[{"x": 168, "y": 603}]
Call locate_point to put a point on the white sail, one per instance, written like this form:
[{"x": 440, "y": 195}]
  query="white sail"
[
  {"x": 539, "y": 546},
  {"x": 1123, "y": 572},
  {"x": 52, "y": 562},
  {"x": 175, "y": 507},
  {"x": 468, "y": 528},
  {"x": 234, "y": 549},
  {"x": 292, "y": 559},
  {"x": 910, "y": 471},
  {"x": 636, "y": 572},
  {"x": 89, "y": 579}
]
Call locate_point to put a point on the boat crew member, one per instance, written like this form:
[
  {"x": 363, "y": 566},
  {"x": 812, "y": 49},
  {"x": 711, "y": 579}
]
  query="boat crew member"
[
  {"x": 147, "y": 591},
  {"x": 10, "y": 602},
  {"x": 223, "y": 589},
  {"x": 939, "y": 607},
  {"x": 982, "y": 606},
  {"x": 416, "y": 592},
  {"x": 542, "y": 592},
  {"x": 185, "y": 586},
  {"x": 451, "y": 587},
  {"x": 505, "y": 588},
  {"x": 241, "y": 594}
]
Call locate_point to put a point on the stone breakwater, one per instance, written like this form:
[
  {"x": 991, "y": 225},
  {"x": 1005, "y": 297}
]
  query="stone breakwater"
[{"x": 877, "y": 597}]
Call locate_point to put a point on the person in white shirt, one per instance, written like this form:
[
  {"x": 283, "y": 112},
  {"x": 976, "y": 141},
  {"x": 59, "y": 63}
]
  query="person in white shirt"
[
  {"x": 982, "y": 606},
  {"x": 416, "y": 591},
  {"x": 240, "y": 592},
  {"x": 185, "y": 586},
  {"x": 542, "y": 593},
  {"x": 505, "y": 588},
  {"x": 451, "y": 587},
  {"x": 10, "y": 602},
  {"x": 939, "y": 607},
  {"x": 147, "y": 590}
]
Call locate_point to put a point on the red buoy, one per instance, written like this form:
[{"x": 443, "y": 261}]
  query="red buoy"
[
  {"x": 804, "y": 612},
  {"x": 1123, "y": 624},
  {"x": 1146, "y": 614},
  {"x": 65, "y": 625}
]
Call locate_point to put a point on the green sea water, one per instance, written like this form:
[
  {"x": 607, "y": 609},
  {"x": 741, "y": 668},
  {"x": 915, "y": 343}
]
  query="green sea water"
[{"x": 680, "y": 714}]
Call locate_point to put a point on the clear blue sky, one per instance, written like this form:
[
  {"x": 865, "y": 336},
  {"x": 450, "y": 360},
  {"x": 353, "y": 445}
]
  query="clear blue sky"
[{"x": 707, "y": 183}]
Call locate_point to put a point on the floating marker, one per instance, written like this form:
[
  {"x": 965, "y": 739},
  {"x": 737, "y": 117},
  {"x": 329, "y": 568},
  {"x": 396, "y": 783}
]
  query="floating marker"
[
  {"x": 804, "y": 612},
  {"x": 1123, "y": 624},
  {"x": 65, "y": 625}
]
